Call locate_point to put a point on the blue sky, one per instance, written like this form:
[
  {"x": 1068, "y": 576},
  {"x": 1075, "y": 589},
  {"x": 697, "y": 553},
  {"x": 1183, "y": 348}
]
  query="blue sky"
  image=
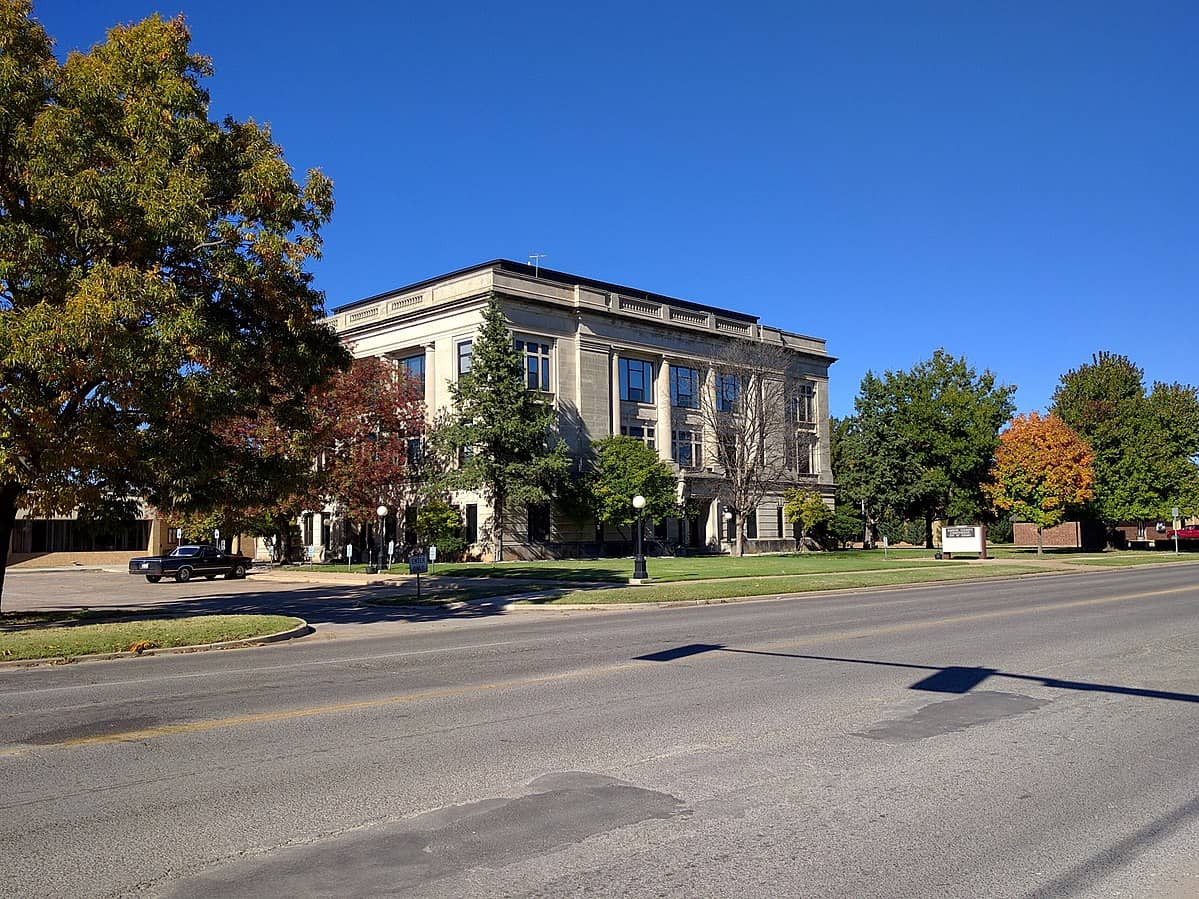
[{"x": 1015, "y": 182}]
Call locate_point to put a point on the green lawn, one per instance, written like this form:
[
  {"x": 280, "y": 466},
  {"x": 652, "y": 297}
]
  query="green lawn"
[
  {"x": 772, "y": 586},
  {"x": 1110, "y": 557},
  {"x": 1113, "y": 559},
  {"x": 690, "y": 568},
  {"x": 28, "y": 641}
]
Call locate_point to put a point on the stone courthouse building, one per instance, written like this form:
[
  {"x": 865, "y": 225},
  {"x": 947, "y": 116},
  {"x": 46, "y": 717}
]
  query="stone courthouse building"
[{"x": 615, "y": 360}]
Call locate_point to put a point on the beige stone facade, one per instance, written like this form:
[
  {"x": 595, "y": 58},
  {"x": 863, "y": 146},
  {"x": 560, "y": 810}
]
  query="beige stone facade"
[{"x": 582, "y": 337}]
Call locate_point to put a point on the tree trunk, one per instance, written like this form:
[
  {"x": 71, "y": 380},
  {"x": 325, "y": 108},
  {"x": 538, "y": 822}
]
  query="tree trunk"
[
  {"x": 740, "y": 544},
  {"x": 928, "y": 532},
  {"x": 9, "y": 494},
  {"x": 497, "y": 524},
  {"x": 281, "y": 528},
  {"x": 1039, "y": 552}
]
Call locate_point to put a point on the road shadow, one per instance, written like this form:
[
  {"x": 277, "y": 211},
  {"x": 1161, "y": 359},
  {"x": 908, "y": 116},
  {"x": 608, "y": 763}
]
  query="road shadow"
[
  {"x": 956, "y": 679},
  {"x": 318, "y": 604}
]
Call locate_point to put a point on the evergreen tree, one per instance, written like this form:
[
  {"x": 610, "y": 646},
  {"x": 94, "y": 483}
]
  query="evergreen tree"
[{"x": 500, "y": 431}]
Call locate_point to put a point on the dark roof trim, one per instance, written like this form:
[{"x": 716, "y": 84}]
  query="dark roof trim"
[{"x": 549, "y": 274}]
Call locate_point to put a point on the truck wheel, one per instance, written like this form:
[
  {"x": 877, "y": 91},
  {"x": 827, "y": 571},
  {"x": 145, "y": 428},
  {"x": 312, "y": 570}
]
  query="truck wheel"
[
  {"x": 154, "y": 578},
  {"x": 239, "y": 572},
  {"x": 183, "y": 575}
]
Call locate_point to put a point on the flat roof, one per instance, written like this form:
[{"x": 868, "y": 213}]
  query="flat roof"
[{"x": 550, "y": 274}]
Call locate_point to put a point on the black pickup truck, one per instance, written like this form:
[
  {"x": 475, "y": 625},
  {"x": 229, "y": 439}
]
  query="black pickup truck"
[{"x": 185, "y": 562}]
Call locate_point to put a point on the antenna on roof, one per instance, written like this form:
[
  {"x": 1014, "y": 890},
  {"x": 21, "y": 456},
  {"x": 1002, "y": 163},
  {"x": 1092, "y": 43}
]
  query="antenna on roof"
[{"x": 536, "y": 258}]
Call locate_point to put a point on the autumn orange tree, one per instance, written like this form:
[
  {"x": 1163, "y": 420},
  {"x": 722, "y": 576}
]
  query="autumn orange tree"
[{"x": 1042, "y": 469}]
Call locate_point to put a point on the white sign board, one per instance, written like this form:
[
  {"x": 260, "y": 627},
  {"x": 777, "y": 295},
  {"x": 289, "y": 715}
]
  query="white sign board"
[
  {"x": 959, "y": 539},
  {"x": 432, "y": 553}
]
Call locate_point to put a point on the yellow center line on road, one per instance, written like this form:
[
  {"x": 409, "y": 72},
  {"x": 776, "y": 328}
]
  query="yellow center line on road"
[{"x": 194, "y": 727}]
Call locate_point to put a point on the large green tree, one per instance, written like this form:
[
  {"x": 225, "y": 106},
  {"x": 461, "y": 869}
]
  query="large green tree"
[
  {"x": 500, "y": 431},
  {"x": 1144, "y": 442},
  {"x": 153, "y": 273},
  {"x": 624, "y": 468},
  {"x": 921, "y": 442}
]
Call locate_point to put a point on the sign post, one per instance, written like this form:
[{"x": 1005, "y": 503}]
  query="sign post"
[
  {"x": 418, "y": 564},
  {"x": 391, "y": 549},
  {"x": 1174, "y": 514},
  {"x": 885, "y": 544},
  {"x": 349, "y": 556},
  {"x": 432, "y": 556}
]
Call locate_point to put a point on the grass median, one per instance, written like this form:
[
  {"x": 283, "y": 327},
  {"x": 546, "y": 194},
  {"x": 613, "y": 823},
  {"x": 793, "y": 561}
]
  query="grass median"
[
  {"x": 28, "y": 637},
  {"x": 691, "y": 568},
  {"x": 777, "y": 586}
]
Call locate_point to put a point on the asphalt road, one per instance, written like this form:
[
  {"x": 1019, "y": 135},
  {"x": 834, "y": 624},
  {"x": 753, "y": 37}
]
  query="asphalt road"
[{"x": 1028, "y": 738}]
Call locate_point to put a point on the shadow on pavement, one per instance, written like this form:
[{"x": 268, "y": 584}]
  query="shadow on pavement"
[
  {"x": 317, "y": 605},
  {"x": 957, "y": 679}
]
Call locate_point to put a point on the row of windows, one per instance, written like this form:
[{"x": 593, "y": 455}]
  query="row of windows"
[
  {"x": 535, "y": 363},
  {"x": 687, "y": 449},
  {"x": 637, "y": 386},
  {"x": 636, "y": 380}
]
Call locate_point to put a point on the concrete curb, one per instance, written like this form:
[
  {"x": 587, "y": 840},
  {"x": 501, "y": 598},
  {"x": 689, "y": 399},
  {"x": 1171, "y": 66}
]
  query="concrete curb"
[{"x": 300, "y": 630}]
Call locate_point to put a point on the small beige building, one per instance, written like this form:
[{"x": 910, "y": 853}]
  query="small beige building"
[{"x": 616, "y": 360}]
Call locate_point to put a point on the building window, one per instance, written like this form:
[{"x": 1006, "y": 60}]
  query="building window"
[
  {"x": 728, "y": 393},
  {"x": 751, "y": 525},
  {"x": 535, "y": 362},
  {"x": 805, "y": 456},
  {"x": 413, "y": 368},
  {"x": 307, "y": 525},
  {"x": 686, "y": 448},
  {"x": 465, "y": 350},
  {"x": 684, "y": 387},
  {"x": 539, "y": 522},
  {"x": 803, "y": 404},
  {"x": 472, "y": 523},
  {"x": 636, "y": 381},
  {"x": 416, "y": 450},
  {"x": 644, "y": 433}
]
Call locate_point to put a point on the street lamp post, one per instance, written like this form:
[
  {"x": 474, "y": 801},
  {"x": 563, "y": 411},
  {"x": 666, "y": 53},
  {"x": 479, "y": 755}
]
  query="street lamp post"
[
  {"x": 382, "y": 513},
  {"x": 639, "y": 572}
]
